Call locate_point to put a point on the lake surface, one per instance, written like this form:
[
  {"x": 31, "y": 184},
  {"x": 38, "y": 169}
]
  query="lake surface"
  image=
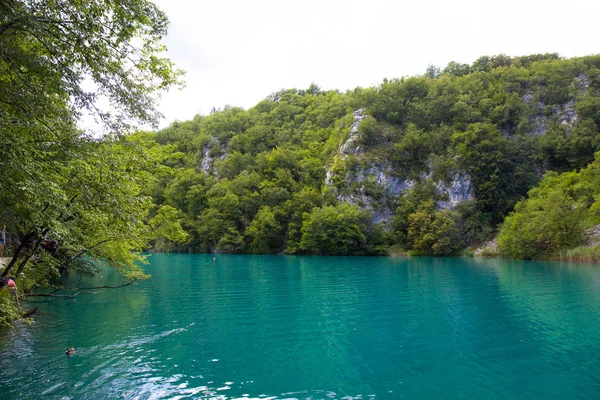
[{"x": 317, "y": 327}]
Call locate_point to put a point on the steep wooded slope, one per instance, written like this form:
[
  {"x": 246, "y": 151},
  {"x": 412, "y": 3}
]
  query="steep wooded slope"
[{"x": 424, "y": 164}]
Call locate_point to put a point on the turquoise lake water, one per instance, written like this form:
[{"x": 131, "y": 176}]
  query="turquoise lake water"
[{"x": 317, "y": 327}]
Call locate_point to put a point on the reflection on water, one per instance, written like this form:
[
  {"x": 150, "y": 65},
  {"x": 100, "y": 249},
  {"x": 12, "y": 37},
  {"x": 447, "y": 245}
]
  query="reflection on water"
[{"x": 317, "y": 327}]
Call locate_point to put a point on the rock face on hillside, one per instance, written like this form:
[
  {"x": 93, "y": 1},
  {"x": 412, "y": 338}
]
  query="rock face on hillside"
[
  {"x": 593, "y": 236},
  {"x": 458, "y": 190},
  {"x": 564, "y": 114},
  {"x": 351, "y": 145},
  {"x": 375, "y": 187},
  {"x": 488, "y": 249},
  {"x": 208, "y": 161}
]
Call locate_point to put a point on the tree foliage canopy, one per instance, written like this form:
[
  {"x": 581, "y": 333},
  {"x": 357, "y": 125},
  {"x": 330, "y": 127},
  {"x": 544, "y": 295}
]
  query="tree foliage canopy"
[
  {"x": 554, "y": 216},
  {"x": 68, "y": 197},
  {"x": 275, "y": 177}
]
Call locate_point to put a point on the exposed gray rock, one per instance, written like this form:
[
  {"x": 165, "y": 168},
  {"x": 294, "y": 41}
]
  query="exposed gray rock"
[
  {"x": 539, "y": 121},
  {"x": 459, "y": 188},
  {"x": 529, "y": 97},
  {"x": 593, "y": 236},
  {"x": 566, "y": 113},
  {"x": 540, "y": 125},
  {"x": 206, "y": 164},
  {"x": 488, "y": 249},
  {"x": 351, "y": 145},
  {"x": 328, "y": 177},
  {"x": 382, "y": 215},
  {"x": 393, "y": 186},
  {"x": 582, "y": 83},
  {"x": 457, "y": 191}
]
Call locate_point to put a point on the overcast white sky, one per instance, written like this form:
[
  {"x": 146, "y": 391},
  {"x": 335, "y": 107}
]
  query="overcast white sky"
[{"x": 237, "y": 52}]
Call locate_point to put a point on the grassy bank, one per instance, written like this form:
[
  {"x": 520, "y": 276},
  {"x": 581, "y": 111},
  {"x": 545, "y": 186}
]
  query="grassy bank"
[{"x": 581, "y": 254}]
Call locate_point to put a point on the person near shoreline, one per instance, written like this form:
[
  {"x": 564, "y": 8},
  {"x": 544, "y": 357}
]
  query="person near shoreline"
[
  {"x": 2, "y": 239},
  {"x": 9, "y": 282}
]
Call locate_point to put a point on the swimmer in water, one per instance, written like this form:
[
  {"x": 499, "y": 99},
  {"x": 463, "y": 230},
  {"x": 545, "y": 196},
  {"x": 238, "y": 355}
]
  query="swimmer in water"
[{"x": 70, "y": 351}]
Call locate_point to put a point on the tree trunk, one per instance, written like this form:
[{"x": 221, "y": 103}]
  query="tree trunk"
[
  {"x": 24, "y": 243},
  {"x": 22, "y": 265}
]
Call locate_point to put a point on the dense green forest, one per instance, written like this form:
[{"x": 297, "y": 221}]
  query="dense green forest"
[
  {"x": 560, "y": 216},
  {"x": 425, "y": 165}
]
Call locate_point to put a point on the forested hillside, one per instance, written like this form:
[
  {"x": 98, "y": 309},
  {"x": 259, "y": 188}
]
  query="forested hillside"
[
  {"x": 559, "y": 219},
  {"x": 425, "y": 164}
]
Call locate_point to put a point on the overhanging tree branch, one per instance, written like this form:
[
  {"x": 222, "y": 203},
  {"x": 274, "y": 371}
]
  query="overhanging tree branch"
[{"x": 79, "y": 290}]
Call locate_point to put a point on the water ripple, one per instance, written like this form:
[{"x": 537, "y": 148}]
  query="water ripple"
[{"x": 262, "y": 327}]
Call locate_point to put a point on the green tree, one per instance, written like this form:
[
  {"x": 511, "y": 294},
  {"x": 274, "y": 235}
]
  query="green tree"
[
  {"x": 264, "y": 232},
  {"x": 93, "y": 206},
  {"x": 210, "y": 227},
  {"x": 474, "y": 225},
  {"x": 294, "y": 209},
  {"x": 167, "y": 228},
  {"x": 231, "y": 242},
  {"x": 433, "y": 233},
  {"x": 62, "y": 43},
  {"x": 85, "y": 196},
  {"x": 333, "y": 230},
  {"x": 456, "y": 69},
  {"x": 489, "y": 158},
  {"x": 420, "y": 196},
  {"x": 554, "y": 215}
]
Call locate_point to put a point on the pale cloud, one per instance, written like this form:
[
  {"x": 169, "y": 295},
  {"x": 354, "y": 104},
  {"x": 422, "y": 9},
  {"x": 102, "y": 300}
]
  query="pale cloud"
[{"x": 238, "y": 52}]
